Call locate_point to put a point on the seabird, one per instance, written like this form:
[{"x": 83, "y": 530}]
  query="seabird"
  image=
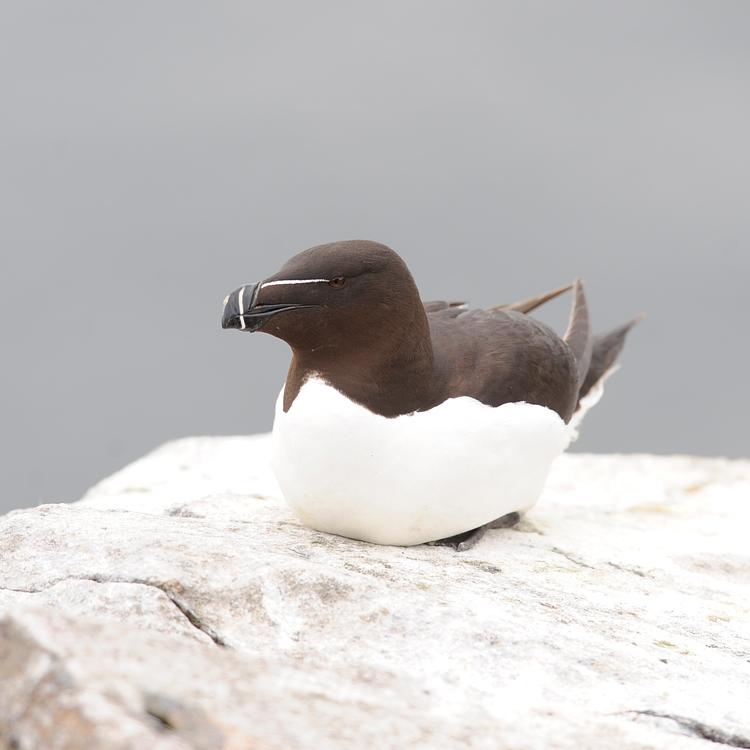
[{"x": 403, "y": 422}]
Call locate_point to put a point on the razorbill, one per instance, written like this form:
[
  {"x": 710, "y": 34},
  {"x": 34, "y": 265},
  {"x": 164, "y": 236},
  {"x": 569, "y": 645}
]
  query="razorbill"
[{"x": 403, "y": 422}]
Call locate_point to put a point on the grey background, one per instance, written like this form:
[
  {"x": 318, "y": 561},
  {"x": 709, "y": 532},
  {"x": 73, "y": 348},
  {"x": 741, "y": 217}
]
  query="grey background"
[{"x": 155, "y": 155}]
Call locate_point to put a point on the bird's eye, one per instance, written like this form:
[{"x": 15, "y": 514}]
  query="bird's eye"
[{"x": 337, "y": 282}]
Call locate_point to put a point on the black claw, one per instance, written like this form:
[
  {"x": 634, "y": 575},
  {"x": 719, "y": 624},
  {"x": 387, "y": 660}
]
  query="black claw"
[{"x": 468, "y": 539}]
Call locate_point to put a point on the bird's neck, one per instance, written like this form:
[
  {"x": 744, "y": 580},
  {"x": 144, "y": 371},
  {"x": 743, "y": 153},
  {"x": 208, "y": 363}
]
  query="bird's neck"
[{"x": 392, "y": 375}]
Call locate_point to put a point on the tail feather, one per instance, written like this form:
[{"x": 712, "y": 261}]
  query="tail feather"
[
  {"x": 605, "y": 351},
  {"x": 578, "y": 335}
]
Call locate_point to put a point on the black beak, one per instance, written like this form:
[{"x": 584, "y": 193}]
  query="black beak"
[{"x": 242, "y": 312}]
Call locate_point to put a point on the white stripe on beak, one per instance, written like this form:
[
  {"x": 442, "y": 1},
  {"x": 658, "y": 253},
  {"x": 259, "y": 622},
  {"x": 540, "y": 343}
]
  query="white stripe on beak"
[{"x": 241, "y": 306}]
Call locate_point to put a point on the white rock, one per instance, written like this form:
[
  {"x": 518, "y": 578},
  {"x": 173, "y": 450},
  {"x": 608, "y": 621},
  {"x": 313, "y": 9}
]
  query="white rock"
[{"x": 182, "y": 588}]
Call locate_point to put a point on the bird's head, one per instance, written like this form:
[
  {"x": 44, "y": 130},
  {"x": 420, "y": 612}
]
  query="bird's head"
[{"x": 342, "y": 295}]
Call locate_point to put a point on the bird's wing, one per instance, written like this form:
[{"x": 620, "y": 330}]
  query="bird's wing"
[
  {"x": 449, "y": 309},
  {"x": 453, "y": 309},
  {"x": 527, "y": 305}
]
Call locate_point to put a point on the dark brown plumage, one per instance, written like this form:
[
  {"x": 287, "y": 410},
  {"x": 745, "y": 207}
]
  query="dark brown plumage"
[{"x": 352, "y": 315}]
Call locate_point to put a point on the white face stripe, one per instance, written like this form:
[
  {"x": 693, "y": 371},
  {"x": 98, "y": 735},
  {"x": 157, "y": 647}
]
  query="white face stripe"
[
  {"x": 294, "y": 281},
  {"x": 242, "y": 307}
]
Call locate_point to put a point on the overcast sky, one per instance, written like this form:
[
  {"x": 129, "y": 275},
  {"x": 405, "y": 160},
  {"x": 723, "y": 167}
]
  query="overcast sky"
[{"x": 155, "y": 155}]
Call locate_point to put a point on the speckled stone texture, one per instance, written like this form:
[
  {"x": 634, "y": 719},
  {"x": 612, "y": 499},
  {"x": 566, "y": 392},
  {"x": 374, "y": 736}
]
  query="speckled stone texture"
[{"x": 180, "y": 605}]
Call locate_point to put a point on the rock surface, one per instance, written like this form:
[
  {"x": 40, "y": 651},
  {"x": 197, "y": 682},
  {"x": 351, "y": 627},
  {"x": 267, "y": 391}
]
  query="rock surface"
[{"x": 179, "y": 605}]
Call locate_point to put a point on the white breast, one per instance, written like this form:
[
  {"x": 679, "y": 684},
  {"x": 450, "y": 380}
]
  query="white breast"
[{"x": 414, "y": 478}]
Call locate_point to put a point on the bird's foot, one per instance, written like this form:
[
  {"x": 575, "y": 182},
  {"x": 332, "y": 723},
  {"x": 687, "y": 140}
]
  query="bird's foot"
[
  {"x": 463, "y": 541},
  {"x": 468, "y": 539}
]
